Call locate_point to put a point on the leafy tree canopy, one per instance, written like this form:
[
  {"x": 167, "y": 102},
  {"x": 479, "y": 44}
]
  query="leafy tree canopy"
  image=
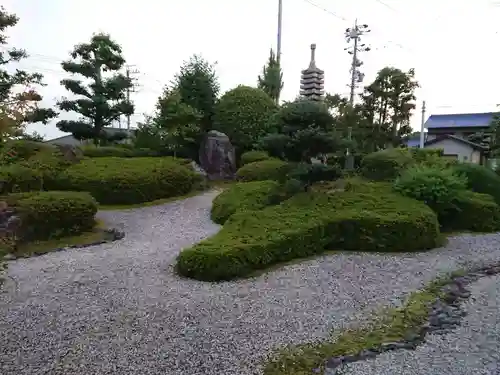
[
  {"x": 271, "y": 80},
  {"x": 243, "y": 113},
  {"x": 19, "y": 100},
  {"x": 101, "y": 90}
]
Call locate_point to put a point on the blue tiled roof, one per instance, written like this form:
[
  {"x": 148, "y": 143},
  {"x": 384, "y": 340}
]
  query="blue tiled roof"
[{"x": 460, "y": 120}]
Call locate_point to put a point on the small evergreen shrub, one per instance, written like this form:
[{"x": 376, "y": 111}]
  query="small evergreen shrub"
[
  {"x": 253, "y": 156},
  {"x": 53, "y": 214},
  {"x": 270, "y": 169},
  {"x": 309, "y": 174},
  {"x": 386, "y": 165},
  {"x": 480, "y": 179},
  {"x": 434, "y": 186}
]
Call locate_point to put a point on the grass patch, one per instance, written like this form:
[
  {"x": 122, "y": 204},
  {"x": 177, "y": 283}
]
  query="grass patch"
[
  {"x": 42, "y": 247},
  {"x": 393, "y": 325}
]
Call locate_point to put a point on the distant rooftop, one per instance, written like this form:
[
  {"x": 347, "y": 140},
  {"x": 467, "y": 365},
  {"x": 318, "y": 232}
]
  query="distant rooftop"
[{"x": 460, "y": 120}]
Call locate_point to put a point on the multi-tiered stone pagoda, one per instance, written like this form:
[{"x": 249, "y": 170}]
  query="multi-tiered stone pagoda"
[{"x": 312, "y": 82}]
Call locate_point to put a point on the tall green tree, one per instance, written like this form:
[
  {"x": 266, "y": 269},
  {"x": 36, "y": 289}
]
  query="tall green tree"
[
  {"x": 271, "y": 80},
  {"x": 198, "y": 86},
  {"x": 19, "y": 99},
  {"x": 102, "y": 100},
  {"x": 388, "y": 103}
]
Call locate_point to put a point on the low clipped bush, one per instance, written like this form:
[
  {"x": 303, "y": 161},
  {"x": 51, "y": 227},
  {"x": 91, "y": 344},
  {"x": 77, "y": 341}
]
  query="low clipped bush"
[
  {"x": 386, "y": 165},
  {"x": 53, "y": 214},
  {"x": 437, "y": 187},
  {"x": 17, "y": 150},
  {"x": 253, "y": 156},
  {"x": 309, "y": 174},
  {"x": 32, "y": 167},
  {"x": 473, "y": 212},
  {"x": 308, "y": 224},
  {"x": 270, "y": 169},
  {"x": 480, "y": 179},
  {"x": 128, "y": 180},
  {"x": 113, "y": 151},
  {"x": 360, "y": 185},
  {"x": 242, "y": 196}
]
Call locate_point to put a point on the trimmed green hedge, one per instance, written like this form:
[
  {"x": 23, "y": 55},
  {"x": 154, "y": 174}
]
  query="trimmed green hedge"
[
  {"x": 242, "y": 196},
  {"x": 128, "y": 180},
  {"x": 307, "y": 224},
  {"x": 53, "y": 214},
  {"x": 386, "y": 165},
  {"x": 253, "y": 156},
  {"x": 270, "y": 169},
  {"x": 119, "y": 152},
  {"x": 472, "y": 212},
  {"x": 480, "y": 179}
]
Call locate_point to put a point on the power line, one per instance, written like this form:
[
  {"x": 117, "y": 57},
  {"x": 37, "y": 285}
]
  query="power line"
[
  {"x": 326, "y": 10},
  {"x": 386, "y": 5}
]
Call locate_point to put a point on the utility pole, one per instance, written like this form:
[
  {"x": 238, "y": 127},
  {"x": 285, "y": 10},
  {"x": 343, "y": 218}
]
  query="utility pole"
[
  {"x": 280, "y": 21},
  {"x": 128, "y": 73},
  {"x": 422, "y": 126},
  {"x": 354, "y": 35}
]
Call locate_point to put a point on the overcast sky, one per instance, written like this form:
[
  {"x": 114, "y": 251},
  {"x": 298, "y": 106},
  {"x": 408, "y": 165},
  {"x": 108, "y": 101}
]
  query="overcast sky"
[{"x": 452, "y": 44}]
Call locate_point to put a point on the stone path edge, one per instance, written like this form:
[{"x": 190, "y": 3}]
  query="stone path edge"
[{"x": 444, "y": 314}]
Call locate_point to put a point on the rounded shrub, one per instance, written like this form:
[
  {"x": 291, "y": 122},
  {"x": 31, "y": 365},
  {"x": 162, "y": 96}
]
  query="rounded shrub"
[
  {"x": 253, "y": 156},
  {"x": 473, "y": 212},
  {"x": 437, "y": 187},
  {"x": 309, "y": 174},
  {"x": 113, "y": 151},
  {"x": 243, "y": 114},
  {"x": 270, "y": 169},
  {"x": 480, "y": 179},
  {"x": 309, "y": 224},
  {"x": 242, "y": 196},
  {"x": 52, "y": 214},
  {"x": 386, "y": 164},
  {"x": 128, "y": 180}
]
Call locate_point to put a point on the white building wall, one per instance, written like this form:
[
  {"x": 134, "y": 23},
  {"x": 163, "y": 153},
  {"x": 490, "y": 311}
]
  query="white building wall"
[{"x": 463, "y": 152}]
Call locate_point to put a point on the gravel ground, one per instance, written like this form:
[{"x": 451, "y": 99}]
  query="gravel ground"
[
  {"x": 471, "y": 349},
  {"x": 120, "y": 309}
]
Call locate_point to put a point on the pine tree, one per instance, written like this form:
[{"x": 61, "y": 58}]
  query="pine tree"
[
  {"x": 103, "y": 100},
  {"x": 20, "y": 107},
  {"x": 271, "y": 80}
]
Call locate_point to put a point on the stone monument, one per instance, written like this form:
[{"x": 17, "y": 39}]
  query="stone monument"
[
  {"x": 217, "y": 156},
  {"x": 312, "y": 81}
]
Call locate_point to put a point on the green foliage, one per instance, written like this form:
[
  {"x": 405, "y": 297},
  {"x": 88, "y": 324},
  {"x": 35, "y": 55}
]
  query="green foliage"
[
  {"x": 243, "y": 196},
  {"x": 388, "y": 103},
  {"x": 271, "y": 80},
  {"x": 359, "y": 185},
  {"x": 252, "y": 156},
  {"x": 198, "y": 87},
  {"x": 17, "y": 93},
  {"x": 270, "y": 169},
  {"x": 305, "y": 131},
  {"x": 120, "y": 152},
  {"x": 436, "y": 187},
  {"x": 471, "y": 212},
  {"x": 243, "y": 115},
  {"x": 128, "y": 180},
  {"x": 307, "y": 224},
  {"x": 333, "y": 159},
  {"x": 309, "y": 174},
  {"x": 480, "y": 179},
  {"x": 53, "y": 214},
  {"x": 28, "y": 166},
  {"x": 385, "y": 165},
  {"x": 101, "y": 102}
]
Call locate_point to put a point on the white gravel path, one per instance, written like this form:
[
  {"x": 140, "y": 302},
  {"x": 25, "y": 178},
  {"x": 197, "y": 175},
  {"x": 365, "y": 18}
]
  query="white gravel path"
[
  {"x": 471, "y": 349},
  {"x": 120, "y": 309}
]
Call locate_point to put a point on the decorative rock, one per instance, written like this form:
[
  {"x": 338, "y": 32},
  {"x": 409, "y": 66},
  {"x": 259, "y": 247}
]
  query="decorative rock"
[{"x": 217, "y": 156}]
